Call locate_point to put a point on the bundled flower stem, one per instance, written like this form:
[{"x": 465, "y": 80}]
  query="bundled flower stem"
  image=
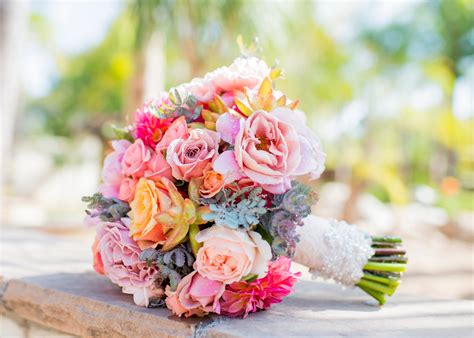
[{"x": 383, "y": 271}]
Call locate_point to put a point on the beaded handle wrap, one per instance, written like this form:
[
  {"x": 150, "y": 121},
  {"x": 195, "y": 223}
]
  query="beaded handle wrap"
[{"x": 333, "y": 250}]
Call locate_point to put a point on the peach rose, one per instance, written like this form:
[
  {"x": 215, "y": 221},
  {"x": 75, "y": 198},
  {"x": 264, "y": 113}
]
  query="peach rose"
[
  {"x": 229, "y": 255},
  {"x": 158, "y": 167},
  {"x": 160, "y": 215},
  {"x": 212, "y": 183},
  {"x": 268, "y": 151},
  {"x": 135, "y": 159},
  {"x": 127, "y": 189},
  {"x": 189, "y": 157},
  {"x": 195, "y": 295}
]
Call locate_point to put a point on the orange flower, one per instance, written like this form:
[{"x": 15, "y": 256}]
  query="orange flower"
[
  {"x": 212, "y": 183},
  {"x": 160, "y": 215}
]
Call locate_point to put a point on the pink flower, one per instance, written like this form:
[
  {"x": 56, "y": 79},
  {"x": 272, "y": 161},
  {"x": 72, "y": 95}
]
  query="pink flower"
[
  {"x": 189, "y": 157},
  {"x": 98, "y": 265},
  {"x": 242, "y": 298},
  {"x": 195, "y": 295},
  {"x": 177, "y": 130},
  {"x": 157, "y": 167},
  {"x": 229, "y": 255},
  {"x": 112, "y": 171},
  {"x": 312, "y": 155},
  {"x": 148, "y": 127},
  {"x": 127, "y": 189},
  {"x": 121, "y": 257},
  {"x": 202, "y": 89},
  {"x": 135, "y": 159},
  {"x": 228, "y": 126},
  {"x": 268, "y": 151},
  {"x": 143, "y": 295},
  {"x": 243, "y": 72}
]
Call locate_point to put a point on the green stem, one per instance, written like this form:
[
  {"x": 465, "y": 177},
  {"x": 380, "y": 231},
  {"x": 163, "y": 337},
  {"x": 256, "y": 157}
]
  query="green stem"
[
  {"x": 377, "y": 295},
  {"x": 384, "y": 280},
  {"x": 377, "y": 286},
  {"x": 387, "y": 239},
  {"x": 392, "y": 267}
]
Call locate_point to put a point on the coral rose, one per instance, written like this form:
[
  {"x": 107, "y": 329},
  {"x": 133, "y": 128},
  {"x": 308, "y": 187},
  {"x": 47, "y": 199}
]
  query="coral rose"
[
  {"x": 195, "y": 295},
  {"x": 158, "y": 167},
  {"x": 177, "y": 130},
  {"x": 135, "y": 159},
  {"x": 189, "y": 157},
  {"x": 228, "y": 255},
  {"x": 212, "y": 183},
  {"x": 160, "y": 215},
  {"x": 97, "y": 260},
  {"x": 268, "y": 151}
]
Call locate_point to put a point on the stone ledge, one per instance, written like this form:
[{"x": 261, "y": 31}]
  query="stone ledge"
[{"x": 88, "y": 305}]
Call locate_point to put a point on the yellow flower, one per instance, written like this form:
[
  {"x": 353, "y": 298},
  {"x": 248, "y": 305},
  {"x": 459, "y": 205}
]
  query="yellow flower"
[{"x": 160, "y": 215}]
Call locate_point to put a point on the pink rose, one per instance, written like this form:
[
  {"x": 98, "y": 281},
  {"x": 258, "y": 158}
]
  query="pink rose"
[
  {"x": 127, "y": 189},
  {"x": 112, "y": 170},
  {"x": 189, "y": 157},
  {"x": 229, "y": 255},
  {"x": 177, "y": 130},
  {"x": 268, "y": 151},
  {"x": 202, "y": 89},
  {"x": 121, "y": 257},
  {"x": 135, "y": 159},
  {"x": 243, "y": 72},
  {"x": 157, "y": 167},
  {"x": 312, "y": 155},
  {"x": 195, "y": 295}
]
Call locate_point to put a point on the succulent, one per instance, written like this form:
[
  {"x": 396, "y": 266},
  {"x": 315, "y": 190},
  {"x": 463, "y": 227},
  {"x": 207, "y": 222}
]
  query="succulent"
[
  {"x": 107, "y": 209},
  {"x": 173, "y": 265},
  {"x": 182, "y": 104},
  {"x": 241, "y": 208},
  {"x": 289, "y": 210}
]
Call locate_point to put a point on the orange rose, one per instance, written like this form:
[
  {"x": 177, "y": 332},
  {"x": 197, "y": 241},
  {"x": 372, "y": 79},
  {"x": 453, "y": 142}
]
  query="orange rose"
[
  {"x": 160, "y": 215},
  {"x": 212, "y": 183}
]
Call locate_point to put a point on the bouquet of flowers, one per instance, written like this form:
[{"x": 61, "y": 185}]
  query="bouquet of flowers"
[{"x": 202, "y": 206}]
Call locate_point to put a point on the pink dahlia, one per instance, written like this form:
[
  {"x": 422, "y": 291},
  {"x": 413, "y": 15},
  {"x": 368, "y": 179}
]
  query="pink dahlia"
[
  {"x": 148, "y": 127},
  {"x": 242, "y": 298}
]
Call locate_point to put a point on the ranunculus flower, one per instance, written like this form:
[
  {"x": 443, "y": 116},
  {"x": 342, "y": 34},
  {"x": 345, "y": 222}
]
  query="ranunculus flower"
[
  {"x": 195, "y": 295},
  {"x": 121, "y": 257},
  {"x": 177, "y": 130},
  {"x": 158, "y": 167},
  {"x": 135, "y": 159},
  {"x": 97, "y": 260},
  {"x": 189, "y": 157},
  {"x": 268, "y": 151},
  {"x": 127, "y": 189},
  {"x": 148, "y": 127},
  {"x": 228, "y": 255},
  {"x": 160, "y": 215},
  {"x": 112, "y": 171},
  {"x": 242, "y": 298},
  {"x": 312, "y": 155}
]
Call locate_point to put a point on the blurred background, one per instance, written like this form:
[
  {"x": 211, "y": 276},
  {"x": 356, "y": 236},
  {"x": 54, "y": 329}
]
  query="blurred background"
[{"x": 387, "y": 85}]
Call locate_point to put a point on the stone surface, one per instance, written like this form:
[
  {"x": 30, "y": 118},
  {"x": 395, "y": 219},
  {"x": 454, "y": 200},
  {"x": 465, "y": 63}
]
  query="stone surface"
[
  {"x": 48, "y": 288},
  {"x": 90, "y": 306}
]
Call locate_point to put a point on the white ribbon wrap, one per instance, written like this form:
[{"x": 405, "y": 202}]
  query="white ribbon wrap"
[{"x": 333, "y": 250}]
